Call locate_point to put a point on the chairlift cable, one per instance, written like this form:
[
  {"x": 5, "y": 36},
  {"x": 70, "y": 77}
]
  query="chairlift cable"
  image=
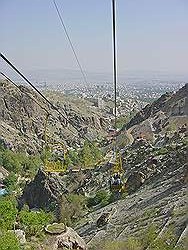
[
  {"x": 15, "y": 69},
  {"x": 51, "y": 105},
  {"x": 47, "y": 112},
  {"x": 70, "y": 41},
  {"x": 8, "y": 78}
]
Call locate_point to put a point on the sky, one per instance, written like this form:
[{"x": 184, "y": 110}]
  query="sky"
[{"x": 152, "y": 35}]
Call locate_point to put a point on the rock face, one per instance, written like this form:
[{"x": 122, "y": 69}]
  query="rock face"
[
  {"x": 55, "y": 228},
  {"x": 134, "y": 181},
  {"x": 22, "y": 120},
  {"x": 169, "y": 103},
  {"x": 69, "y": 240},
  {"x": 160, "y": 202},
  {"x": 156, "y": 182},
  {"x": 43, "y": 192}
]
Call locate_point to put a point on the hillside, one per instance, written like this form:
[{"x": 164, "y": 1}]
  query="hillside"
[
  {"x": 150, "y": 212},
  {"x": 22, "y": 120},
  {"x": 164, "y": 115}
]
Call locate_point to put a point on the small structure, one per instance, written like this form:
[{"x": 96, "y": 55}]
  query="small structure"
[{"x": 55, "y": 228}]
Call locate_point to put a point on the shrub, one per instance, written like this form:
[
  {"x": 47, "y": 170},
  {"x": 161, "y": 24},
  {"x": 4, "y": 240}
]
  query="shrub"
[
  {"x": 130, "y": 244},
  {"x": 8, "y": 212},
  {"x": 31, "y": 164},
  {"x": 148, "y": 240},
  {"x": 89, "y": 154},
  {"x": 149, "y": 236},
  {"x": 102, "y": 197},
  {"x": 71, "y": 208},
  {"x": 10, "y": 160},
  {"x": 33, "y": 222},
  {"x": 8, "y": 241},
  {"x": 20, "y": 162},
  {"x": 162, "y": 151},
  {"x": 165, "y": 242}
]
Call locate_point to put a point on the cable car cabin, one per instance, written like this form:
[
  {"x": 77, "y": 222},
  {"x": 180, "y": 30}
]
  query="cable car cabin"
[
  {"x": 112, "y": 133},
  {"x": 116, "y": 181}
]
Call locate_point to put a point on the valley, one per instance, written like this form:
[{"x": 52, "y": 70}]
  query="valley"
[{"x": 150, "y": 212}]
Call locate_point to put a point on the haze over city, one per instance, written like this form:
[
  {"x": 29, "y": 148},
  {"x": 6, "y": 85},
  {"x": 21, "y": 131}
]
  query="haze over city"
[{"x": 152, "y": 38}]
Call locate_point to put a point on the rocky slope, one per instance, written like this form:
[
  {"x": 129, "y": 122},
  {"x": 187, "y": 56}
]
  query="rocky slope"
[
  {"x": 22, "y": 121},
  {"x": 156, "y": 195},
  {"x": 156, "y": 181},
  {"x": 163, "y": 116},
  {"x": 171, "y": 104},
  {"x": 154, "y": 172}
]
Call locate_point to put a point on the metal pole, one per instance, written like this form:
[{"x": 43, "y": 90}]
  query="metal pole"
[{"x": 114, "y": 61}]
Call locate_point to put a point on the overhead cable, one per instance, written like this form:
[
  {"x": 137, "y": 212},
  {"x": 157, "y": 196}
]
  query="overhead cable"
[
  {"x": 70, "y": 41},
  {"x": 22, "y": 91},
  {"x": 14, "y": 68},
  {"x": 51, "y": 104}
]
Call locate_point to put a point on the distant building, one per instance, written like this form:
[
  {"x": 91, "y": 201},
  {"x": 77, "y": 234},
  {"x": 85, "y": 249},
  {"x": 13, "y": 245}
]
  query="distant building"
[
  {"x": 112, "y": 111},
  {"x": 100, "y": 103}
]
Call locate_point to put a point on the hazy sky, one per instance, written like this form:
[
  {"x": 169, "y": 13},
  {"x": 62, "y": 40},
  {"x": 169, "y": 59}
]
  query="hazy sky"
[{"x": 152, "y": 34}]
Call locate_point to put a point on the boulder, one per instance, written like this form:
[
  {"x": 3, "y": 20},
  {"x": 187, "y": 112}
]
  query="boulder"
[
  {"x": 69, "y": 240},
  {"x": 43, "y": 192},
  {"x": 134, "y": 181},
  {"x": 103, "y": 219}
]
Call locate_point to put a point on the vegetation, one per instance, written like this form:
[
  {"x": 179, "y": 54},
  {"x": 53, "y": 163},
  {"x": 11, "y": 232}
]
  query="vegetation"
[
  {"x": 71, "y": 208},
  {"x": 33, "y": 222},
  {"x": 148, "y": 240},
  {"x": 19, "y": 163},
  {"x": 10, "y": 181},
  {"x": 85, "y": 157},
  {"x": 89, "y": 154},
  {"x": 8, "y": 241},
  {"x": 8, "y": 213},
  {"x": 123, "y": 120},
  {"x": 101, "y": 197}
]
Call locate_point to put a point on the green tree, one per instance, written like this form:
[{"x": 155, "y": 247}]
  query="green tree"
[
  {"x": 73, "y": 157},
  {"x": 11, "y": 161},
  {"x": 71, "y": 208},
  {"x": 31, "y": 164},
  {"x": 85, "y": 155},
  {"x": 101, "y": 197}
]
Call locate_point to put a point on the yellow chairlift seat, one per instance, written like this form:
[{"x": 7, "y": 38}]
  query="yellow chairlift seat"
[{"x": 50, "y": 164}]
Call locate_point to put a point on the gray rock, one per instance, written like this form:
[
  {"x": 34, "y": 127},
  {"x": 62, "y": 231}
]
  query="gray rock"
[
  {"x": 69, "y": 240},
  {"x": 20, "y": 234}
]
